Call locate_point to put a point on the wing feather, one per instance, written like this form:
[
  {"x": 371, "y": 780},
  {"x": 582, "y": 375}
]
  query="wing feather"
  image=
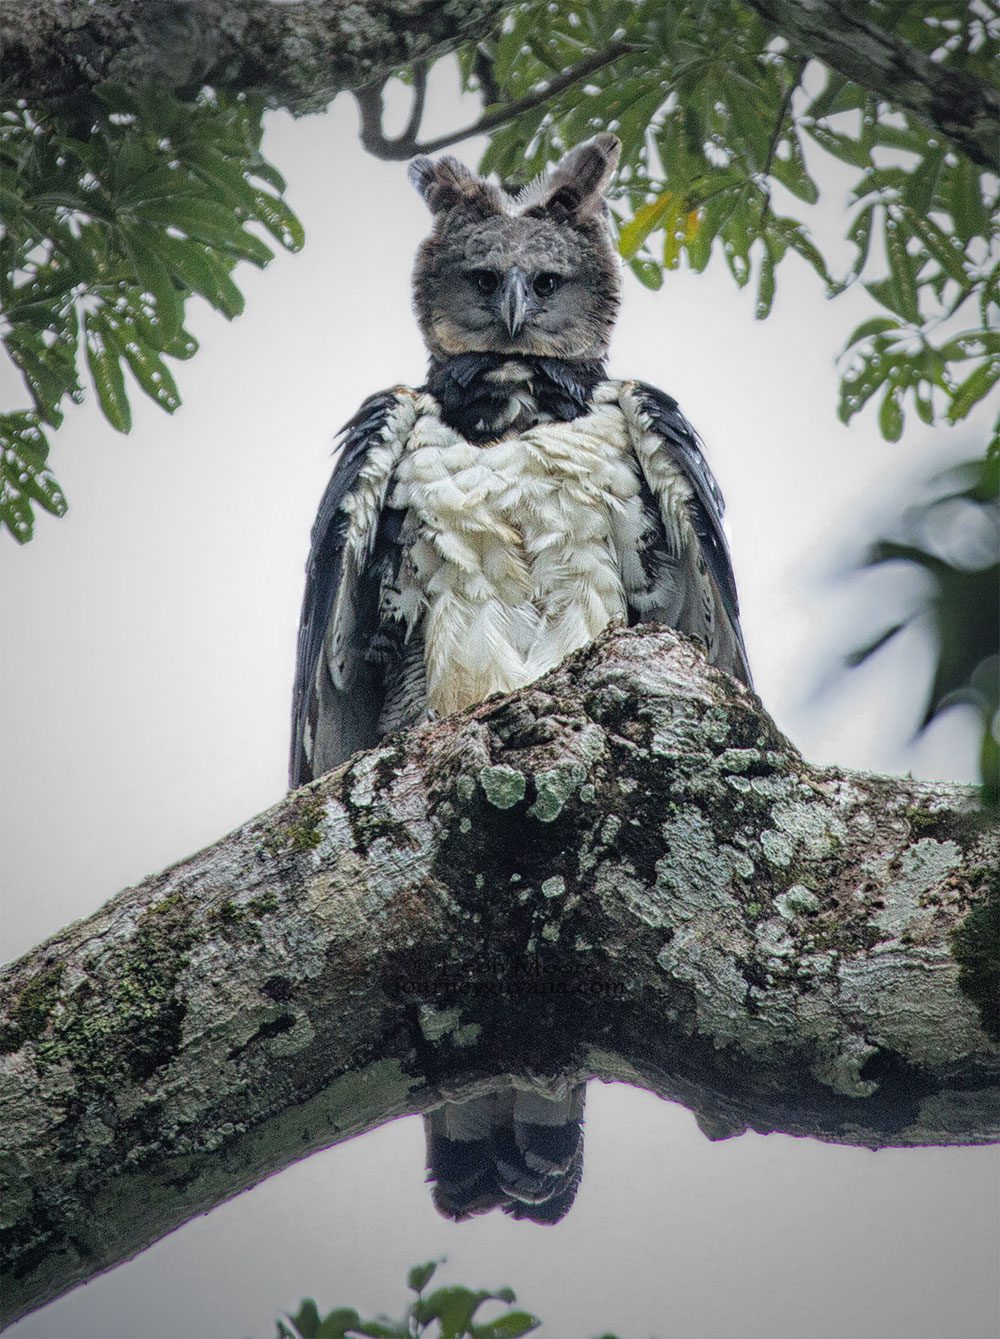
[
  {"x": 676, "y": 445},
  {"x": 339, "y": 691}
]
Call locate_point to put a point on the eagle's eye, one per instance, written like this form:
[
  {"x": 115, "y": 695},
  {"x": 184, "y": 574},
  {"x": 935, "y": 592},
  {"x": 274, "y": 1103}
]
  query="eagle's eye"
[
  {"x": 487, "y": 281},
  {"x": 546, "y": 283}
]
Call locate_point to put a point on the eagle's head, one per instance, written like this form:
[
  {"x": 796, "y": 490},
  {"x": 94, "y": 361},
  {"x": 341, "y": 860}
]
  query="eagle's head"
[{"x": 533, "y": 273}]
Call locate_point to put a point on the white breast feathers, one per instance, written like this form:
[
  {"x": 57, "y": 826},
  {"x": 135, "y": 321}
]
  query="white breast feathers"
[{"x": 517, "y": 552}]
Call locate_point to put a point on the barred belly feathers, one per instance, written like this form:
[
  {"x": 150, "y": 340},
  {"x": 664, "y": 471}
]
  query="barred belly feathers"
[{"x": 478, "y": 529}]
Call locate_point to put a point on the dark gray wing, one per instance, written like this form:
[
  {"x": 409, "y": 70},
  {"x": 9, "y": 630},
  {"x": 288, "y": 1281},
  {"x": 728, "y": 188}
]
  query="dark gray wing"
[
  {"x": 705, "y": 509},
  {"x": 331, "y": 721}
]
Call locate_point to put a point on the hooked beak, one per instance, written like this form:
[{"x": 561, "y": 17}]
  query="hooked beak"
[{"x": 515, "y": 301}]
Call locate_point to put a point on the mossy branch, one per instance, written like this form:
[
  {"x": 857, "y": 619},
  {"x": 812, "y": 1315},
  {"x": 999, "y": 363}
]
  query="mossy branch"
[{"x": 624, "y": 871}]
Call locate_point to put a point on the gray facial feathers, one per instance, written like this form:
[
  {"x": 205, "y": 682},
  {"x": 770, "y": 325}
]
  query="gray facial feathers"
[{"x": 550, "y": 245}]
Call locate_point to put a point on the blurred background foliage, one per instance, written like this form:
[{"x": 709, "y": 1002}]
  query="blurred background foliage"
[
  {"x": 117, "y": 210},
  {"x": 446, "y": 1313}
]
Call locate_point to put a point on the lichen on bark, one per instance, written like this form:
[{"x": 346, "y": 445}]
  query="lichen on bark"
[{"x": 623, "y": 871}]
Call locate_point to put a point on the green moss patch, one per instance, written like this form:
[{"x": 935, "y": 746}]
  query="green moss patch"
[
  {"x": 136, "y": 1025},
  {"x": 300, "y": 829},
  {"x": 31, "y": 1010}
]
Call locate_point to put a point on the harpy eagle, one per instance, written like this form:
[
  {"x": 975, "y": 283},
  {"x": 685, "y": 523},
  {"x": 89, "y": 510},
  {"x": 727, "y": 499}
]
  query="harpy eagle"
[{"x": 479, "y": 528}]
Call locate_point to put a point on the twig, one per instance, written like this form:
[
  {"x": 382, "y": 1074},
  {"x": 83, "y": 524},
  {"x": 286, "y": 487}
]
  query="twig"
[
  {"x": 779, "y": 126},
  {"x": 406, "y": 145}
]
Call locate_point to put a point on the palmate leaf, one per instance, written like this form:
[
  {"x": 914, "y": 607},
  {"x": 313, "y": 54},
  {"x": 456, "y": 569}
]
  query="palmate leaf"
[
  {"x": 25, "y": 479},
  {"x": 119, "y": 222}
]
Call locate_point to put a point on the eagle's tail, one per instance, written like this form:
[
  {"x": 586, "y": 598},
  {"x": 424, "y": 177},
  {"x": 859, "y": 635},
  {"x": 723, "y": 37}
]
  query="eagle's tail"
[{"x": 519, "y": 1149}]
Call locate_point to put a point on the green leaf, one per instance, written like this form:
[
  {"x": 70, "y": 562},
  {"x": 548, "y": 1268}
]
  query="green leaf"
[
  {"x": 919, "y": 190},
  {"x": 838, "y": 95},
  {"x": 748, "y": 118},
  {"x": 512, "y": 1325},
  {"x": 48, "y": 370},
  {"x": 902, "y": 270},
  {"x": 701, "y": 233},
  {"x": 204, "y": 272},
  {"x": 381, "y": 1329},
  {"x": 337, "y": 1323},
  {"x": 860, "y": 233},
  {"x": 965, "y": 201},
  {"x": 840, "y": 146},
  {"x": 875, "y": 325},
  {"x": 971, "y": 344},
  {"x": 959, "y": 605},
  {"x": 857, "y": 388},
  {"x": 795, "y": 235},
  {"x": 902, "y": 137},
  {"x": 925, "y": 407},
  {"x": 885, "y": 183},
  {"x": 792, "y": 173},
  {"x": 306, "y": 1321},
  {"x": 648, "y": 272},
  {"x": 950, "y": 257},
  {"x": 153, "y": 276},
  {"x": 673, "y": 235},
  {"x": 644, "y": 221},
  {"x": 208, "y": 221},
  {"x": 103, "y": 357},
  {"x": 455, "y": 1308},
  {"x": 886, "y": 292},
  {"x": 890, "y": 416},
  {"x": 975, "y": 386},
  {"x": 182, "y": 346},
  {"x": 738, "y": 233},
  {"x": 420, "y": 1275},
  {"x": 228, "y": 179},
  {"x": 765, "y": 287},
  {"x": 24, "y": 476},
  {"x": 258, "y": 165},
  {"x": 151, "y": 373},
  {"x": 279, "y": 220}
]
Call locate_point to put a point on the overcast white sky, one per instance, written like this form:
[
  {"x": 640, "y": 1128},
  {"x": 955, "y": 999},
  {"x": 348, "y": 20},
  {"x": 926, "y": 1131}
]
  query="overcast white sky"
[{"x": 148, "y": 644}]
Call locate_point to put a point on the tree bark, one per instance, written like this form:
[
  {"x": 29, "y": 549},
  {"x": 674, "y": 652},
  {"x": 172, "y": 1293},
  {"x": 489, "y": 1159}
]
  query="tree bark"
[
  {"x": 297, "y": 55},
  {"x": 300, "y": 55},
  {"x": 623, "y": 871},
  {"x": 847, "y": 37}
]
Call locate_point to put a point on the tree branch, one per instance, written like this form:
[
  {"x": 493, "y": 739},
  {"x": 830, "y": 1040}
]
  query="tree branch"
[
  {"x": 842, "y": 35},
  {"x": 297, "y": 55},
  {"x": 623, "y": 871},
  {"x": 407, "y": 145},
  {"x": 300, "y": 55}
]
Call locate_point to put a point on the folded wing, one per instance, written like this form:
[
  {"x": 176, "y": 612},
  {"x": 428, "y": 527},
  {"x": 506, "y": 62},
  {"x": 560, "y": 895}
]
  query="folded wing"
[
  {"x": 689, "y": 582},
  {"x": 349, "y": 657}
]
